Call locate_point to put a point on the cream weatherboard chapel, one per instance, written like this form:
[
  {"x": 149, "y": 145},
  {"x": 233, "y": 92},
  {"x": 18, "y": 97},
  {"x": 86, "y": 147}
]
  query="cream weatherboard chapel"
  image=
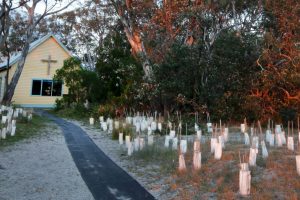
[{"x": 36, "y": 87}]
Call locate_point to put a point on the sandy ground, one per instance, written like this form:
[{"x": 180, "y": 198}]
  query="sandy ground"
[
  {"x": 156, "y": 184},
  {"x": 41, "y": 168}
]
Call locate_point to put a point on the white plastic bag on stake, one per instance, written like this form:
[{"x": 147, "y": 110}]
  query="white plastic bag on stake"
[
  {"x": 222, "y": 141},
  {"x": 283, "y": 138},
  {"x": 272, "y": 140},
  {"x": 199, "y": 134},
  {"x": 226, "y": 132},
  {"x": 120, "y": 138},
  {"x": 136, "y": 144},
  {"x": 298, "y": 164},
  {"x": 141, "y": 143},
  {"x": 137, "y": 127},
  {"x": 244, "y": 182},
  {"x": 218, "y": 150},
  {"x": 174, "y": 143},
  {"x": 150, "y": 139},
  {"x": 252, "y": 156},
  {"x": 197, "y": 155},
  {"x": 278, "y": 140},
  {"x": 92, "y": 121},
  {"x": 3, "y": 133},
  {"x": 117, "y": 124},
  {"x": 182, "y": 166},
  {"x": 213, "y": 142},
  {"x": 172, "y": 134},
  {"x": 268, "y": 135},
  {"x": 153, "y": 126},
  {"x": 13, "y": 130},
  {"x": 196, "y": 127},
  {"x": 167, "y": 141},
  {"x": 265, "y": 153},
  {"x": 290, "y": 143},
  {"x": 209, "y": 127},
  {"x": 243, "y": 128},
  {"x": 159, "y": 126},
  {"x": 149, "y": 130},
  {"x": 129, "y": 149},
  {"x": 183, "y": 146},
  {"x": 247, "y": 139},
  {"x": 127, "y": 140},
  {"x": 4, "y": 118},
  {"x": 255, "y": 142},
  {"x": 101, "y": 119}
]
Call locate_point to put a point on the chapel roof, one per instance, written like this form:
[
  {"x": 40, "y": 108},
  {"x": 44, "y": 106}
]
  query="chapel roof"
[{"x": 32, "y": 46}]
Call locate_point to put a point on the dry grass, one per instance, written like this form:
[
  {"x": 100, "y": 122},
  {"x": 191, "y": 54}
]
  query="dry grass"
[{"x": 273, "y": 178}]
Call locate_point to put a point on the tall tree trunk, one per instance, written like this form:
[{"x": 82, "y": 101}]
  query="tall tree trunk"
[
  {"x": 123, "y": 10},
  {"x": 15, "y": 79}
]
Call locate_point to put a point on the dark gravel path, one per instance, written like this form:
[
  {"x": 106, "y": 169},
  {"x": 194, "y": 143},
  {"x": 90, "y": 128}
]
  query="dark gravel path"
[{"x": 104, "y": 178}]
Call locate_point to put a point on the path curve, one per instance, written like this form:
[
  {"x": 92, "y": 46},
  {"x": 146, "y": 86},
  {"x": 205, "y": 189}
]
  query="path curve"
[{"x": 104, "y": 178}]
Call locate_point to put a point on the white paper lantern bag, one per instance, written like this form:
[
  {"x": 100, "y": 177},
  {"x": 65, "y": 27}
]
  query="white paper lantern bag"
[
  {"x": 290, "y": 143},
  {"x": 120, "y": 138},
  {"x": 244, "y": 182}
]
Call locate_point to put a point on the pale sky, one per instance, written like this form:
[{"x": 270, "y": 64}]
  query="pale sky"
[{"x": 41, "y": 6}]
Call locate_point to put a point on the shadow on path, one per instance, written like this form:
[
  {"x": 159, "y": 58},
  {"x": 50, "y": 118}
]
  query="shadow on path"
[{"x": 104, "y": 178}]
